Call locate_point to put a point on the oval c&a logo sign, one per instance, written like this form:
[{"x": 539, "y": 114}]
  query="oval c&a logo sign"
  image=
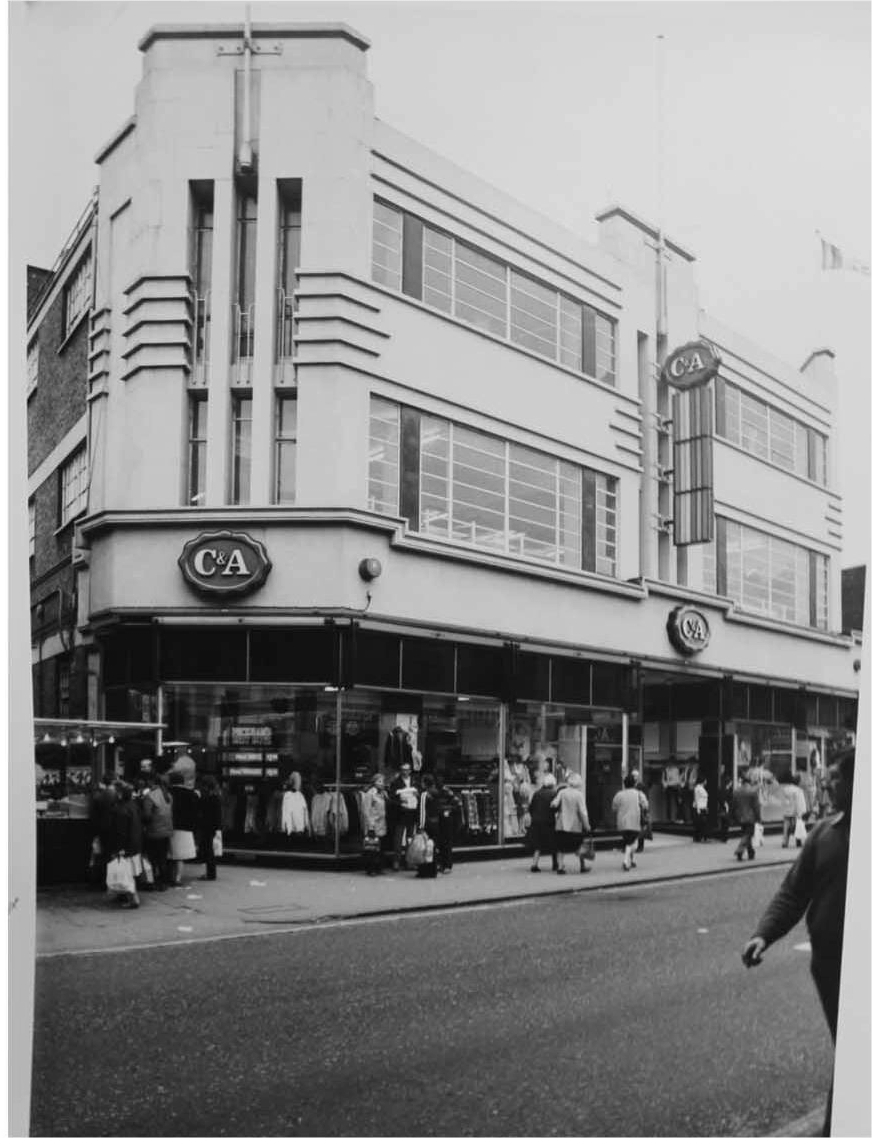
[
  {"x": 690, "y": 365},
  {"x": 224, "y": 563},
  {"x": 688, "y": 629}
]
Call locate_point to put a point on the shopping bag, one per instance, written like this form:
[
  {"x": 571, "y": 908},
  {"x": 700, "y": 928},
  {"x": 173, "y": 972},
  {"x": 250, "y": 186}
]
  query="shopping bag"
[
  {"x": 217, "y": 844},
  {"x": 800, "y": 832},
  {"x": 420, "y": 849},
  {"x": 120, "y": 878},
  {"x": 586, "y": 849},
  {"x": 147, "y": 870},
  {"x": 757, "y": 835}
]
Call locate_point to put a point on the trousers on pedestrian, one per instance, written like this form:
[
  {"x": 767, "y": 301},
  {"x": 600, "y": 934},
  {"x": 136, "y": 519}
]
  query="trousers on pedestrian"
[
  {"x": 206, "y": 850},
  {"x": 746, "y": 840},
  {"x": 156, "y": 849},
  {"x": 788, "y": 831},
  {"x": 826, "y": 973}
]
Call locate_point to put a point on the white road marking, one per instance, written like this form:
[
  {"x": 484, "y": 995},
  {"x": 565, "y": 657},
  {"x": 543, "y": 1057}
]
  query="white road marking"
[
  {"x": 704, "y": 930},
  {"x": 185, "y": 928},
  {"x": 194, "y": 896}
]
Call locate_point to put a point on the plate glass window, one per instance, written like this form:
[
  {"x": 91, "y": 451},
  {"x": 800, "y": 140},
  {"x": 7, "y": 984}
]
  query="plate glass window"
[
  {"x": 74, "y": 486},
  {"x": 32, "y": 529}
]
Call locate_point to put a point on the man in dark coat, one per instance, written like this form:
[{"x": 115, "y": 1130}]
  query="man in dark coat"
[
  {"x": 103, "y": 802},
  {"x": 816, "y": 886},
  {"x": 746, "y": 811},
  {"x": 209, "y": 823}
]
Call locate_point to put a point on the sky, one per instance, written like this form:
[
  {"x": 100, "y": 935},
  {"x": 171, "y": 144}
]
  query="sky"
[{"x": 764, "y": 139}]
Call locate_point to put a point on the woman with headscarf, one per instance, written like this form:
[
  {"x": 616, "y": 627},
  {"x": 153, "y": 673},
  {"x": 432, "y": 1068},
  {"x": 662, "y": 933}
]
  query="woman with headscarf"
[
  {"x": 542, "y": 822},
  {"x": 571, "y": 821}
]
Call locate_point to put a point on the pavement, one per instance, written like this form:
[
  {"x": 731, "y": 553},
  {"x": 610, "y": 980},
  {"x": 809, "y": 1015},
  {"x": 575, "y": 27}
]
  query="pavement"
[{"x": 253, "y": 900}]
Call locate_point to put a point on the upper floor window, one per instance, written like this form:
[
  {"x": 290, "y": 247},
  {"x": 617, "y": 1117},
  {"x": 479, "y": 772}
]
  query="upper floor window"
[
  {"x": 77, "y": 293},
  {"x": 455, "y": 482},
  {"x": 74, "y": 489},
  {"x": 33, "y": 364},
  {"x": 241, "y": 477},
  {"x": 32, "y": 528},
  {"x": 387, "y": 246},
  {"x": 197, "y": 445},
  {"x": 770, "y": 434},
  {"x": 287, "y": 262},
  {"x": 286, "y": 448},
  {"x": 766, "y": 575},
  {"x": 485, "y": 292},
  {"x": 383, "y": 457},
  {"x": 201, "y": 242},
  {"x": 246, "y": 268}
]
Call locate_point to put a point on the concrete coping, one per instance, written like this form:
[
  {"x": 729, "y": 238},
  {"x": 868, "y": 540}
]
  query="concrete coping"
[{"x": 235, "y": 31}]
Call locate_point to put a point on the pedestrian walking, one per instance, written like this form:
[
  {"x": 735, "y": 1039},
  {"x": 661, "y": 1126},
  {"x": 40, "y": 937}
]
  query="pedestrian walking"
[
  {"x": 373, "y": 806},
  {"x": 724, "y": 806},
  {"x": 124, "y": 838},
  {"x": 428, "y": 819},
  {"x": 746, "y": 811},
  {"x": 185, "y": 812},
  {"x": 699, "y": 810},
  {"x": 627, "y": 805},
  {"x": 100, "y": 814},
  {"x": 542, "y": 817},
  {"x": 815, "y": 886},
  {"x": 403, "y": 796},
  {"x": 792, "y": 807},
  {"x": 571, "y": 822},
  {"x": 210, "y": 820},
  {"x": 156, "y": 817}
]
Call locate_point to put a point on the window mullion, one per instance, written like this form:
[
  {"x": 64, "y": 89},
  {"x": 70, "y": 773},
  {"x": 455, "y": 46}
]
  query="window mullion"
[
  {"x": 505, "y": 514},
  {"x": 507, "y": 302},
  {"x": 450, "y": 480}
]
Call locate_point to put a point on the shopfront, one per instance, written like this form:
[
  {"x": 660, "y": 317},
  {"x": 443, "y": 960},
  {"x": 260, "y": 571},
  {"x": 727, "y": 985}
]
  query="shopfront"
[{"x": 294, "y": 721}]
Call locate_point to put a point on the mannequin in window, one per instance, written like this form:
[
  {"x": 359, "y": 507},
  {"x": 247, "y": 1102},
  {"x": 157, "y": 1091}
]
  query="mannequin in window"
[{"x": 671, "y": 782}]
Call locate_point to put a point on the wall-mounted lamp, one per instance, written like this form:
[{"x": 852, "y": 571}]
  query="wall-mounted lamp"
[{"x": 369, "y": 569}]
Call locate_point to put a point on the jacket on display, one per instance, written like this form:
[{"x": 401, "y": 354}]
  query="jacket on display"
[
  {"x": 295, "y": 814},
  {"x": 397, "y": 751}
]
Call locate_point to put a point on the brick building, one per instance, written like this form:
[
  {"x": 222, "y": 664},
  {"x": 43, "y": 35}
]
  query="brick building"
[
  {"x": 59, "y": 304},
  {"x": 384, "y": 465}
]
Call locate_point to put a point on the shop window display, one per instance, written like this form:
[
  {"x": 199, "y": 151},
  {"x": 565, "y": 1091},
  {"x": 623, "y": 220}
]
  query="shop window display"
[
  {"x": 454, "y": 739},
  {"x": 563, "y": 739},
  {"x": 273, "y": 750}
]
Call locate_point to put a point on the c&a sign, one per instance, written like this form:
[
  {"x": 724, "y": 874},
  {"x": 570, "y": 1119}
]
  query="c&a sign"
[
  {"x": 690, "y": 365},
  {"x": 224, "y": 563},
  {"x": 688, "y": 629}
]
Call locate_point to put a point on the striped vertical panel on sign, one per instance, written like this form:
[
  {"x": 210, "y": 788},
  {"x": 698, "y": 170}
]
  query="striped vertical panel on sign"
[{"x": 693, "y": 466}]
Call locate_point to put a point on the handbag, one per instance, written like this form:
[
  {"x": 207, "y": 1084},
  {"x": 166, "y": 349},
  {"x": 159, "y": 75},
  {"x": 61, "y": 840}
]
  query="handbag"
[
  {"x": 800, "y": 832},
  {"x": 371, "y": 843},
  {"x": 120, "y": 878},
  {"x": 217, "y": 844},
  {"x": 758, "y": 832}
]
